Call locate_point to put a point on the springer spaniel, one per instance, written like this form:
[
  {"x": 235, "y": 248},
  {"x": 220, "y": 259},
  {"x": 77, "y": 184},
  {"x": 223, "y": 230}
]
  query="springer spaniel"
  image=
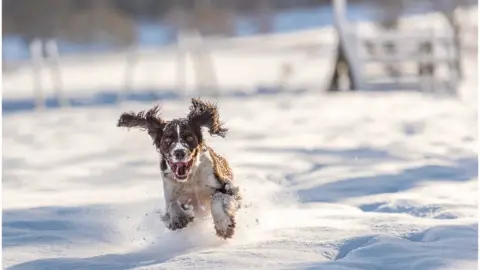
[{"x": 196, "y": 180}]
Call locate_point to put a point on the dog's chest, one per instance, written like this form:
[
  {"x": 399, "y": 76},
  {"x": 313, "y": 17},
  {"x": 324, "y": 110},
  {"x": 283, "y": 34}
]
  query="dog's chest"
[
  {"x": 199, "y": 187},
  {"x": 195, "y": 191}
]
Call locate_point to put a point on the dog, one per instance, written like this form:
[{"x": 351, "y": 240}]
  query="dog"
[{"x": 197, "y": 181}]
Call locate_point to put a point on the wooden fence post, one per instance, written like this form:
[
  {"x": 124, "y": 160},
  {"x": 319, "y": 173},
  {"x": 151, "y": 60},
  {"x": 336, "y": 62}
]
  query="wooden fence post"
[
  {"x": 51, "y": 48},
  {"x": 36, "y": 53},
  {"x": 130, "y": 64},
  {"x": 181, "y": 76}
]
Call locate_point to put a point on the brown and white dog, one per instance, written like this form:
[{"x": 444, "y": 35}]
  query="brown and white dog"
[{"x": 196, "y": 180}]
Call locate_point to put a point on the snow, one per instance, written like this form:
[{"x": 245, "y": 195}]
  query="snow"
[
  {"x": 354, "y": 181},
  {"x": 365, "y": 180}
]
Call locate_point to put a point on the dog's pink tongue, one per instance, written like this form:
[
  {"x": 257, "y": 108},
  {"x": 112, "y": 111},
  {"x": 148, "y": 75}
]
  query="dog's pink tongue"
[{"x": 181, "y": 168}]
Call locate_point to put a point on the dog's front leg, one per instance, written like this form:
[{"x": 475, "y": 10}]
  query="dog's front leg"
[
  {"x": 177, "y": 215},
  {"x": 225, "y": 204}
]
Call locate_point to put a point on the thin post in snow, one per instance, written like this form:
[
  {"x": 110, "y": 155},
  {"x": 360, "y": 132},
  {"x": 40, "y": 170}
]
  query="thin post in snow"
[
  {"x": 51, "y": 47},
  {"x": 347, "y": 39},
  {"x": 285, "y": 73},
  {"x": 427, "y": 64},
  {"x": 205, "y": 71},
  {"x": 130, "y": 64},
  {"x": 36, "y": 54},
  {"x": 203, "y": 65},
  {"x": 433, "y": 62},
  {"x": 181, "y": 63},
  {"x": 455, "y": 73}
]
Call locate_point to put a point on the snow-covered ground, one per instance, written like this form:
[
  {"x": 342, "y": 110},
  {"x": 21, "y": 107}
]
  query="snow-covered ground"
[
  {"x": 352, "y": 181},
  {"x": 346, "y": 181}
]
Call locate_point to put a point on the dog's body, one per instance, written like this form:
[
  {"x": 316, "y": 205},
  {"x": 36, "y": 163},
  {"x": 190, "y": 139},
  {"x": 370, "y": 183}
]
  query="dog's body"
[
  {"x": 196, "y": 180},
  {"x": 206, "y": 191}
]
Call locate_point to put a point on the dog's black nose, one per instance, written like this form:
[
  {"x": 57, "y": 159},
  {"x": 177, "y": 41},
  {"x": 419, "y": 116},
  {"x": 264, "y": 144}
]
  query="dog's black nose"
[{"x": 179, "y": 154}]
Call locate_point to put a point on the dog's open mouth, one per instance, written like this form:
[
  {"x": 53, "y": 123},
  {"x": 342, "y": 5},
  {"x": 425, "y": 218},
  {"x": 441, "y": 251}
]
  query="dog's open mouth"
[{"x": 181, "y": 169}]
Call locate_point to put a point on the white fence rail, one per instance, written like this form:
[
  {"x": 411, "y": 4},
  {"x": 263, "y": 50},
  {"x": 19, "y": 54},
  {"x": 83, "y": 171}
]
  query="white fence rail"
[
  {"x": 431, "y": 49},
  {"x": 428, "y": 52}
]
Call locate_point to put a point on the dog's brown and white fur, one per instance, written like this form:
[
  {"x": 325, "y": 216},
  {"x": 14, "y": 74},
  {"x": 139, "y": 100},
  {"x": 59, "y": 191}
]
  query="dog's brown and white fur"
[{"x": 197, "y": 181}]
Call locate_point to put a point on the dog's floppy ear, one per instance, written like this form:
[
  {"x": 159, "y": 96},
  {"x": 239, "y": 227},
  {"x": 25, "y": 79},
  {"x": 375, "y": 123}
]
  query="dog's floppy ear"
[
  {"x": 146, "y": 120},
  {"x": 205, "y": 114}
]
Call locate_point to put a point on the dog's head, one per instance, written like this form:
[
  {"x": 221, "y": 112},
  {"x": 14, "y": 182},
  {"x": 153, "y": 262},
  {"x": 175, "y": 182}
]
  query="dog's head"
[{"x": 177, "y": 140}]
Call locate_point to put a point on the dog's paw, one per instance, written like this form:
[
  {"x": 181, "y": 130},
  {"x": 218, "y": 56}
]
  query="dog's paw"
[
  {"x": 165, "y": 217},
  {"x": 225, "y": 228},
  {"x": 179, "y": 221},
  {"x": 179, "y": 216},
  {"x": 224, "y": 207}
]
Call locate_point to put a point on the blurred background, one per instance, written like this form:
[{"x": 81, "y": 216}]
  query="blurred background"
[{"x": 77, "y": 52}]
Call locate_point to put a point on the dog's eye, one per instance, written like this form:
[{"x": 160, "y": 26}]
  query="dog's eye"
[
  {"x": 168, "y": 140},
  {"x": 189, "y": 138}
]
